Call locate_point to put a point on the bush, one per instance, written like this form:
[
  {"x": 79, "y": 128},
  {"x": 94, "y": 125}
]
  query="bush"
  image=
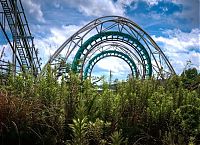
[{"x": 70, "y": 111}]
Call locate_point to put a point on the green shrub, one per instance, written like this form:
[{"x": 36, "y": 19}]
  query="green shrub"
[{"x": 53, "y": 111}]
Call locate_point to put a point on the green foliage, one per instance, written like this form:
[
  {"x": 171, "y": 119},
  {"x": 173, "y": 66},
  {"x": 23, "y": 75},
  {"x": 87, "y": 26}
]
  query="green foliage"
[
  {"x": 188, "y": 120},
  {"x": 190, "y": 77},
  {"x": 67, "y": 110},
  {"x": 79, "y": 128},
  {"x": 95, "y": 131},
  {"x": 117, "y": 138}
]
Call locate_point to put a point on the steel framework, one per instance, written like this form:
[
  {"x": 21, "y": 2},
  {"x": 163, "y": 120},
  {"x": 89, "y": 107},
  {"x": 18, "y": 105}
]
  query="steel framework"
[
  {"x": 14, "y": 22},
  {"x": 113, "y": 36},
  {"x": 119, "y": 35},
  {"x": 104, "y": 54}
]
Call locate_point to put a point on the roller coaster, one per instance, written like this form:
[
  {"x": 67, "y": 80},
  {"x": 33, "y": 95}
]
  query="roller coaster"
[
  {"x": 14, "y": 22},
  {"x": 109, "y": 36}
]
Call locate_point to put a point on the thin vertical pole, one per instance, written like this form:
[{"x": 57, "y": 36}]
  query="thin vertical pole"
[
  {"x": 110, "y": 78},
  {"x": 15, "y": 39}
]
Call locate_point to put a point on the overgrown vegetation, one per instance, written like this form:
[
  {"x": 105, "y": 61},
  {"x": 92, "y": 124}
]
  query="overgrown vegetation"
[{"x": 137, "y": 112}]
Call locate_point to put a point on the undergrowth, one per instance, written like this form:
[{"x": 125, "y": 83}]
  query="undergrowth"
[{"x": 48, "y": 111}]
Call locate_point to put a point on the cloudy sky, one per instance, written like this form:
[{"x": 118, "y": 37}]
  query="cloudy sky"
[{"x": 173, "y": 24}]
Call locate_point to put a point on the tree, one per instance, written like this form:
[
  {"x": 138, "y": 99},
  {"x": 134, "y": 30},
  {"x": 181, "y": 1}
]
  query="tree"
[{"x": 190, "y": 77}]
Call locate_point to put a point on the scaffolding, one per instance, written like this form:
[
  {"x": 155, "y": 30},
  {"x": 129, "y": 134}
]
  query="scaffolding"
[{"x": 13, "y": 21}]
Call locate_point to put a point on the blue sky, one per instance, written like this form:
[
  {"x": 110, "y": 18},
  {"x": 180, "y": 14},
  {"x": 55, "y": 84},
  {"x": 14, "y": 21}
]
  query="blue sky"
[{"x": 173, "y": 24}]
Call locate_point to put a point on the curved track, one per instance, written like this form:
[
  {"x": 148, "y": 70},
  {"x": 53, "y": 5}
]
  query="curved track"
[
  {"x": 113, "y": 33},
  {"x": 104, "y": 54}
]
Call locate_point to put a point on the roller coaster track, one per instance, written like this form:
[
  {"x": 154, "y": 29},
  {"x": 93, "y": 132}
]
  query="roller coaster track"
[
  {"x": 119, "y": 35},
  {"x": 103, "y": 37},
  {"x": 23, "y": 47}
]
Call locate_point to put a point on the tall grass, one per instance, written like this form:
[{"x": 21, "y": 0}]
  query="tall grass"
[{"x": 68, "y": 111}]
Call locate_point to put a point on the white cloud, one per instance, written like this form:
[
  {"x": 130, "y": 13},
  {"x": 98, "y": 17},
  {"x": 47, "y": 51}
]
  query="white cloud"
[
  {"x": 59, "y": 35},
  {"x": 34, "y": 9},
  {"x": 125, "y": 2},
  {"x": 180, "y": 47},
  {"x": 100, "y": 7},
  {"x": 116, "y": 65},
  {"x": 195, "y": 57},
  {"x": 48, "y": 45},
  {"x": 6, "y": 52},
  {"x": 180, "y": 41},
  {"x": 191, "y": 10},
  {"x": 152, "y": 2},
  {"x": 149, "y": 2}
]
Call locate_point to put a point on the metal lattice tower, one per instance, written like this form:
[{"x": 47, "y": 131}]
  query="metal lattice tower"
[
  {"x": 25, "y": 54},
  {"x": 112, "y": 36}
]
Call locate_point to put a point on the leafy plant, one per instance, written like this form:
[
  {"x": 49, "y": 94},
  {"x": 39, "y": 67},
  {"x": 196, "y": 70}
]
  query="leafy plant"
[
  {"x": 67, "y": 110},
  {"x": 117, "y": 138}
]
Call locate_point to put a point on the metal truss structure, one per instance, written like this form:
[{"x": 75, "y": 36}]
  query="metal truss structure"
[
  {"x": 113, "y": 36},
  {"x": 16, "y": 30},
  {"x": 104, "y": 54}
]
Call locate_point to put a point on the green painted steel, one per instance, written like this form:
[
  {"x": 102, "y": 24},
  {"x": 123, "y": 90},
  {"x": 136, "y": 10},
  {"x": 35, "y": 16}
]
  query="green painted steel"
[
  {"x": 109, "y": 53},
  {"x": 115, "y": 36}
]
